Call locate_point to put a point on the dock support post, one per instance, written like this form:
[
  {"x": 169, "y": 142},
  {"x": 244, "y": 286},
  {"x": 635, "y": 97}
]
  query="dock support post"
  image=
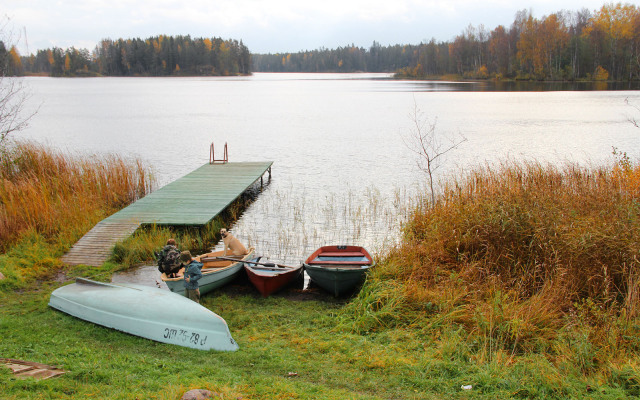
[{"x": 262, "y": 176}]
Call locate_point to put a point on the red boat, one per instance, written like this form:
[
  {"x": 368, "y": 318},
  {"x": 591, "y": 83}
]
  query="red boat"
[{"x": 269, "y": 277}]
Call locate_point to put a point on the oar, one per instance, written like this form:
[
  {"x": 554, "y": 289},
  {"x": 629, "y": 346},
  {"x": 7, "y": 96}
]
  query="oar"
[{"x": 270, "y": 265}]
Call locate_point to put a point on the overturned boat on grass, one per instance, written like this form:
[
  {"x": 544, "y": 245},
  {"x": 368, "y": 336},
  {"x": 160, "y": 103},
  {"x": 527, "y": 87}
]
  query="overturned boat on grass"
[{"x": 145, "y": 311}]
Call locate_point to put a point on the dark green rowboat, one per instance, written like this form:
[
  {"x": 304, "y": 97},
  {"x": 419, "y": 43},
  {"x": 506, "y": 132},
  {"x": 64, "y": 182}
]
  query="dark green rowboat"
[{"x": 338, "y": 269}]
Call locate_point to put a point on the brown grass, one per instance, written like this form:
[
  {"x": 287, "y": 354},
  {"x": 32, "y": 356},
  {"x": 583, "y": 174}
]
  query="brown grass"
[
  {"x": 512, "y": 253},
  {"x": 571, "y": 233},
  {"x": 60, "y": 196}
]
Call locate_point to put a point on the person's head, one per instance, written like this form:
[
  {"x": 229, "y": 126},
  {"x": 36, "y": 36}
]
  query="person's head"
[
  {"x": 224, "y": 232},
  {"x": 185, "y": 257},
  {"x": 171, "y": 242}
]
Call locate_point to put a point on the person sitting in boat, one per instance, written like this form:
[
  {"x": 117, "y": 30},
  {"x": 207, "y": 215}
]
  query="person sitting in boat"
[
  {"x": 169, "y": 259},
  {"x": 192, "y": 273},
  {"x": 232, "y": 245}
]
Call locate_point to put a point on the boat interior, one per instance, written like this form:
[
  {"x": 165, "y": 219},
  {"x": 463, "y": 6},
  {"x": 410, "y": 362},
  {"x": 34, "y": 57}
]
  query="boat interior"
[{"x": 210, "y": 262}]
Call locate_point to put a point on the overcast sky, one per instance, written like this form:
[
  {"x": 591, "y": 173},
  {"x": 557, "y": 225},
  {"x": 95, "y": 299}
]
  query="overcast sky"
[{"x": 274, "y": 26}]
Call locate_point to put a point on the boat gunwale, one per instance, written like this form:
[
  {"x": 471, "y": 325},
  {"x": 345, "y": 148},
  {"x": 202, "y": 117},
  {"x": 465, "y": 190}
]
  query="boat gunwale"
[{"x": 339, "y": 249}]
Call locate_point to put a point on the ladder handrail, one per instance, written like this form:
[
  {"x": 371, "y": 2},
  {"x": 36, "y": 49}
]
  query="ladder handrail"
[{"x": 225, "y": 157}]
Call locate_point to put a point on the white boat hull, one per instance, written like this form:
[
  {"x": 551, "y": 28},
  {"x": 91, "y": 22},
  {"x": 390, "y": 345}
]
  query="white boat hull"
[{"x": 145, "y": 311}]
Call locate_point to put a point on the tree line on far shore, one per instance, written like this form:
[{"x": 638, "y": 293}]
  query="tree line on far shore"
[
  {"x": 566, "y": 45},
  {"x": 156, "y": 56},
  {"x": 599, "y": 45}
]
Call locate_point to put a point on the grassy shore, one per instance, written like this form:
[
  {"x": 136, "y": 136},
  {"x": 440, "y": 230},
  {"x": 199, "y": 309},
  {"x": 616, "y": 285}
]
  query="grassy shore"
[{"x": 521, "y": 282}]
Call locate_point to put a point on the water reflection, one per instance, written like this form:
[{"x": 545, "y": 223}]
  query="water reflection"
[{"x": 507, "y": 86}]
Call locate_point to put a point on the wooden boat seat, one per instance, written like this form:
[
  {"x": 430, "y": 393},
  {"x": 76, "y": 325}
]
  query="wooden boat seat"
[
  {"x": 339, "y": 262},
  {"x": 342, "y": 265},
  {"x": 341, "y": 254}
]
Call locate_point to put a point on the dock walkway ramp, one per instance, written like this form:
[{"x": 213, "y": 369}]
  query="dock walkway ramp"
[{"x": 193, "y": 200}]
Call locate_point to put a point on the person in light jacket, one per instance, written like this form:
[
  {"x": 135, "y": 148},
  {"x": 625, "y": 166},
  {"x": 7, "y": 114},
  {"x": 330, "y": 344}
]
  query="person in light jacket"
[{"x": 192, "y": 273}]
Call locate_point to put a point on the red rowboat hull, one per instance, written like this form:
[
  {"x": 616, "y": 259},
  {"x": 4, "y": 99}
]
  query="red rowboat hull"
[{"x": 270, "y": 280}]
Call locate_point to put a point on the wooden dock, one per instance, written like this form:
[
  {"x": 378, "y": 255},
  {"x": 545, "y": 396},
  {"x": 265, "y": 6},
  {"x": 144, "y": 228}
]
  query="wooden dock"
[{"x": 193, "y": 200}]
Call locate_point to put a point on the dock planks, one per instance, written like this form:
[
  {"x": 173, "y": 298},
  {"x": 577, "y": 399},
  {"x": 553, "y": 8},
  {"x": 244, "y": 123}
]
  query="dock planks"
[{"x": 193, "y": 200}]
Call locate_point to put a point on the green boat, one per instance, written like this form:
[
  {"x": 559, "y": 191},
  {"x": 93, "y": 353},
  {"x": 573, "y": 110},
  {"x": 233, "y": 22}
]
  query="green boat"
[
  {"x": 145, "y": 311},
  {"x": 338, "y": 269},
  {"x": 216, "y": 272}
]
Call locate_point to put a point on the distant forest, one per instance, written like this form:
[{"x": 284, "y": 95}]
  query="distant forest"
[
  {"x": 561, "y": 46},
  {"x": 155, "y": 56},
  {"x": 603, "y": 45}
]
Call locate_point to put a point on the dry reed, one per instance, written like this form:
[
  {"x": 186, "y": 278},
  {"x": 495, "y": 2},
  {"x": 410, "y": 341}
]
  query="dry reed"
[
  {"x": 60, "y": 196},
  {"x": 510, "y": 251}
]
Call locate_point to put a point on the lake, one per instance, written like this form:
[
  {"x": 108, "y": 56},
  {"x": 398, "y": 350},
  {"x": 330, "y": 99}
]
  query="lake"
[{"x": 342, "y": 172}]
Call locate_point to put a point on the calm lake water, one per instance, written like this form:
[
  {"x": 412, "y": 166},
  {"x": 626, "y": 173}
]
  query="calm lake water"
[{"x": 342, "y": 173}]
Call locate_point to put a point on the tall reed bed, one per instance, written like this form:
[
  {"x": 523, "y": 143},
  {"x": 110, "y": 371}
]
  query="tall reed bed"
[
  {"x": 61, "y": 196},
  {"x": 288, "y": 225},
  {"x": 522, "y": 257}
]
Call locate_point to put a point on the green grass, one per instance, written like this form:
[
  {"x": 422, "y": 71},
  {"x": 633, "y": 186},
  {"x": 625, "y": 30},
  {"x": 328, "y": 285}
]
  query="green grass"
[{"x": 277, "y": 336}]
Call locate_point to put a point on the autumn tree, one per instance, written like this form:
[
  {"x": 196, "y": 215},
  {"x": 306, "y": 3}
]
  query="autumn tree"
[
  {"x": 614, "y": 29},
  {"x": 580, "y": 52},
  {"x": 553, "y": 38},
  {"x": 528, "y": 54},
  {"x": 469, "y": 50},
  {"x": 499, "y": 51}
]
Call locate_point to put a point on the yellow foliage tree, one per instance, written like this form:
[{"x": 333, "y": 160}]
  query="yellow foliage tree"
[
  {"x": 527, "y": 44},
  {"x": 601, "y": 74},
  {"x": 483, "y": 72},
  {"x": 542, "y": 42},
  {"x": 14, "y": 59},
  {"x": 418, "y": 70},
  {"x": 617, "y": 22}
]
